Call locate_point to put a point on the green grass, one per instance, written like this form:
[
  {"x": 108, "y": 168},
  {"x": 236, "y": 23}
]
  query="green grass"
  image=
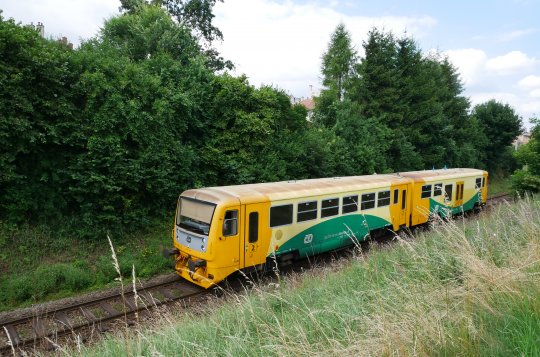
[
  {"x": 38, "y": 264},
  {"x": 461, "y": 289}
]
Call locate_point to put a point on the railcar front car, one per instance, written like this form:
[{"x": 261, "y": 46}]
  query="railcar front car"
[{"x": 221, "y": 230}]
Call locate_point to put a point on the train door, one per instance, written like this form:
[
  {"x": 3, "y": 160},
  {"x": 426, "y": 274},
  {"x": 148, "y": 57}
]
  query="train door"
[
  {"x": 403, "y": 207},
  {"x": 255, "y": 234},
  {"x": 398, "y": 209},
  {"x": 459, "y": 193}
]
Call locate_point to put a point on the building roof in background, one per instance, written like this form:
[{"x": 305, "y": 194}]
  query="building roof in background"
[{"x": 308, "y": 103}]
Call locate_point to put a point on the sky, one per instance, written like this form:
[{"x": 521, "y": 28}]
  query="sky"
[{"x": 494, "y": 44}]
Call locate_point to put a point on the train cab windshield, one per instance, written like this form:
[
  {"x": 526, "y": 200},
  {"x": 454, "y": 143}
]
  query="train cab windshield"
[{"x": 194, "y": 215}]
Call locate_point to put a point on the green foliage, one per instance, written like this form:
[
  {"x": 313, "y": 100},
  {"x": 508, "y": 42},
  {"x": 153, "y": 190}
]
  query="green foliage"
[
  {"x": 417, "y": 101},
  {"x": 338, "y": 63},
  {"x": 501, "y": 126},
  {"x": 527, "y": 179}
]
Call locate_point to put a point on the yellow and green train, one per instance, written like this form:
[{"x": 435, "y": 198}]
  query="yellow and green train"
[{"x": 220, "y": 230}]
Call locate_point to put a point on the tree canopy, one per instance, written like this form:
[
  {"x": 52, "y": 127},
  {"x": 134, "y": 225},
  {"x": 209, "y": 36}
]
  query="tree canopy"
[{"x": 107, "y": 135}]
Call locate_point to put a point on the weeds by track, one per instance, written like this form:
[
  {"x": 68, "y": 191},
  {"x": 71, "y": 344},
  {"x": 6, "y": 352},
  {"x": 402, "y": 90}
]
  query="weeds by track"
[{"x": 42, "y": 331}]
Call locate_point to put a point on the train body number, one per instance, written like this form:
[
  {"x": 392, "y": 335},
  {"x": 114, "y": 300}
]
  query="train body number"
[{"x": 308, "y": 238}]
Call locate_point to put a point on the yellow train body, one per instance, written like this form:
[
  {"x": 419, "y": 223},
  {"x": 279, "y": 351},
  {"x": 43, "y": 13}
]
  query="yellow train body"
[{"x": 220, "y": 230}]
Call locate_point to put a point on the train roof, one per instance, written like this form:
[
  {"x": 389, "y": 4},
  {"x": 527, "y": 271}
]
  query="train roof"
[
  {"x": 259, "y": 192},
  {"x": 428, "y": 175}
]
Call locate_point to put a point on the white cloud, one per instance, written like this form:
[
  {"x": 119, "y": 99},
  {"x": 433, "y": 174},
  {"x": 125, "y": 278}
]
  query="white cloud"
[
  {"x": 74, "y": 19},
  {"x": 503, "y": 97},
  {"x": 282, "y": 42},
  {"x": 512, "y": 35},
  {"x": 535, "y": 93},
  {"x": 515, "y": 61},
  {"x": 530, "y": 81},
  {"x": 470, "y": 62},
  {"x": 531, "y": 108}
]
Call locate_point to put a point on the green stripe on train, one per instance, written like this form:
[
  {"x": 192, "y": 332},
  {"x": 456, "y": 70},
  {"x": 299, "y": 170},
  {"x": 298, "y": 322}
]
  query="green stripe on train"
[
  {"x": 443, "y": 209},
  {"x": 331, "y": 234}
]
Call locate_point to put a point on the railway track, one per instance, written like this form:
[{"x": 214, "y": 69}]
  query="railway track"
[
  {"x": 41, "y": 331},
  {"x": 498, "y": 198}
]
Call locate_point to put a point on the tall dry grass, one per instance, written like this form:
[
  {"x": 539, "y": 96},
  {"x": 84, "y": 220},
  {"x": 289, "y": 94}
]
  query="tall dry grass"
[{"x": 468, "y": 287}]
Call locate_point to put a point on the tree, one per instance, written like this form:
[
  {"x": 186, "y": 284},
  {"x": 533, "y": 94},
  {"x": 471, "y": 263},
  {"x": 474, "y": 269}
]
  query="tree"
[
  {"x": 338, "y": 63},
  {"x": 527, "y": 179},
  {"x": 501, "y": 126},
  {"x": 193, "y": 16},
  {"x": 36, "y": 108},
  {"x": 337, "y": 69}
]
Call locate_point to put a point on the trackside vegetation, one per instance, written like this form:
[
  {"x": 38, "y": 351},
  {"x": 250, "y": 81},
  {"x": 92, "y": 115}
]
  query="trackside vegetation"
[{"x": 468, "y": 287}]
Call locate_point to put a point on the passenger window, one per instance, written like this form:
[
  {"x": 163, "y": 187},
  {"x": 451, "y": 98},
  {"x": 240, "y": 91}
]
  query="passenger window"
[
  {"x": 368, "y": 201},
  {"x": 306, "y": 211},
  {"x": 281, "y": 215},
  {"x": 383, "y": 198},
  {"x": 478, "y": 183},
  {"x": 448, "y": 192},
  {"x": 437, "y": 189},
  {"x": 396, "y": 196},
  {"x": 350, "y": 204},
  {"x": 426, "y": 191},
  {"x": 329, "y": 207},
  {"x": 253, "y": 227},
  {"x": 230, "y": 223}
]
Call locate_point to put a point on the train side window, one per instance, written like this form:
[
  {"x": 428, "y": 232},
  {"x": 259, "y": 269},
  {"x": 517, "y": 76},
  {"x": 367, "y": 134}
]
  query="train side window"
[
  {"x": 403, "y": 199},
  {"x": 368, "y": 201},
  {"x": 478, "y": 183},
  {"x": 426, "y": 191},
  {"x": 306, "y": 211},
  {"x": 396, "y": 196},
  {"x": 253, "y": 227},
  {"x": 350, "y": 204},
  {"x": 329, "y": 207},
  {"x": 383, "y": 198},
  {"x": 230, "y": 223},
  {"x": 437, "y": 189},
  {"x": 448, "y": 192},
  {"x": 281, "y": 215}
]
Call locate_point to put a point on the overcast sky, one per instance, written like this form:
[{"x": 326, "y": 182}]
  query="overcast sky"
[{"x": 495, "y": 44}]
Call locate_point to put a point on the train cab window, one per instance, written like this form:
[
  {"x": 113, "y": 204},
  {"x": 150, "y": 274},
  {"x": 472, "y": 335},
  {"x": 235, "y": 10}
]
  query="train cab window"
[
  {"x": 253, "y": 227},
  {"x": 448, "y": 192},
  {"x": 350, "y": 204},
  {"x": 396, "y": 196},
  {"x": 329, "y": 207},
  {"x": 281, "y": 215},
  {"x": 383, "y": 198},
  {"x": 368, "y": 201},
  {"x": 478, "y": 183},
  {"x": 230, "y": 223},
  {"x": 483, "y": 182},
  {"x": 306, "y": 211},
  {"x": 426, "y": 191},
  {"x": 437, "y": 190}
]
